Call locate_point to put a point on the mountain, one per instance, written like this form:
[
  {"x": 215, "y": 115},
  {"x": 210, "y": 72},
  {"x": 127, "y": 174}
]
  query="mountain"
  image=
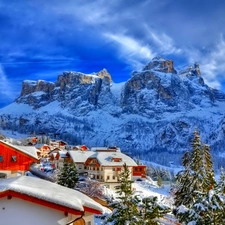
[{"x": 156, "y": 110}]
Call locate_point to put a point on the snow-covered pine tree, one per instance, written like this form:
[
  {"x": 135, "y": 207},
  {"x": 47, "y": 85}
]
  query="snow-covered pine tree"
[
  {"x": 125, "y": 210},
  {"x": 151, "y": 211},
  {"x": 221, "y": 183},
  {"x": 210, "y": 181},
  {"x": 183, "y": 193},
  {"x": 197, "y": 165},
  {"x": 68, "y": 176},
  {"x": 205, "y": 201},
  {"x": 208, "y": 209},
  {"x": 133, "y": 210}
]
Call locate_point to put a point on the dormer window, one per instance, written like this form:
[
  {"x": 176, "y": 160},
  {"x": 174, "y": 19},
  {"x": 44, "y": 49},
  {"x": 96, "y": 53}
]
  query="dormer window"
[{"x": 13, "y": 159}]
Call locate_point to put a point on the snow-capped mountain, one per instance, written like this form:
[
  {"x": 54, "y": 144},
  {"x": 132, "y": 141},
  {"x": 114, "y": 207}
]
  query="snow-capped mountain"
[{"x": 157, "y": 109}]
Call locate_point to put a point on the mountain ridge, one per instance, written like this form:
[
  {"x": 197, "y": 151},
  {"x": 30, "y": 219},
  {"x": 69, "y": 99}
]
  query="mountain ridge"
[{"x": 156, "y": 110}]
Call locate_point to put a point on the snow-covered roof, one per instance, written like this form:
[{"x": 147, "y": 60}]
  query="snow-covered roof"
[
  {"x": 28, "y": 150},
  {"x": 80, "y": 156},
  {"x": 106, "y": 159},
  {"x": 50, "y": 192}
]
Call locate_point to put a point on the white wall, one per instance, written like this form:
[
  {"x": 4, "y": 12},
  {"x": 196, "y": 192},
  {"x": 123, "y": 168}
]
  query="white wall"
[{"x": 19, "y": 212}]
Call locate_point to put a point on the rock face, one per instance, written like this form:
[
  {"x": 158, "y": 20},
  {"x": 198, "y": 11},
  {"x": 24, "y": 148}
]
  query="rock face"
[
  {"x": 161, "y": 65},
  {"x": 156, "y": 110},
  {"x": 71, "y": 89}
]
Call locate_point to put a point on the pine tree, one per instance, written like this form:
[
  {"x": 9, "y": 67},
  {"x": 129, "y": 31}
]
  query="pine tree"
[
  {"x": 68, "y": 176},
  {"x": 210, "y": 182},
  {"x": 221, "y": 184},
  {"x": 208, "y": 209},
  {"x": 151, "y": 211},
  {"x": 133, "y": 210},
  {"x": 125, "y": 209},
  {"x": 183, "y": 194},
  {"x": 198, "y": 199},
  {"x": 159, "y": 181}
]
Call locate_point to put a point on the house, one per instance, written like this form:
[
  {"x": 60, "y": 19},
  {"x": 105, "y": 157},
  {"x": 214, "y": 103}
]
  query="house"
[
  {"x": 58, "y": 144},
  {"x": 44, "y": 149},
  {"x": 58, "y": 157},
  {"x": 79, "y": 157},
  {"x": 27, "y": 200},
  {"x": 105, "y": 165},
  {"x": 15, "y": 158}
]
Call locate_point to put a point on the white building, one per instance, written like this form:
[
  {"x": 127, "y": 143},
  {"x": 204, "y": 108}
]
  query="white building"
[
  {"x": 27, "y": 200},
  {"x": 105, "y": 165}
]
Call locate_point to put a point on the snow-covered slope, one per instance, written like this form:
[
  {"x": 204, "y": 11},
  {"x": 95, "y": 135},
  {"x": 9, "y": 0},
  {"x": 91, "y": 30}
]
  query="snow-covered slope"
[{"x": 157, "y": 109}]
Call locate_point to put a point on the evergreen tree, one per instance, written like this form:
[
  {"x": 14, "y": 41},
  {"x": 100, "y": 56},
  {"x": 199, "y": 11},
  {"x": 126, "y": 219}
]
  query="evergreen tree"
[
  {"x": 197, "y": 198},
  {"x": 125, "y": 209},
  {"x": 68, "y": 176},
  {"x": 210, "y": 182},
  {"x": 151, "y": 211},
  {"x": 183, "y": 194},
  {"x": 133, "y": 210},
  {"x": 221, "y": 184},
  {"x": 159, "y": 181},
  {"x": 208, "y": 209}
]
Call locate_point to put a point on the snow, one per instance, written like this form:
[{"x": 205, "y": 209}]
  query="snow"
[
  {"x": 50, "y": 192},
  {"x": 38, "y": 94},
  {"x": 116, "y": 89},
  {"x": 28, "y": 150},
  {"x": 31, "y": 82},
  {"x": 80, "y": 156},
  {"x": 16, "y": 109},
  {"x": 106, "y": 159}
]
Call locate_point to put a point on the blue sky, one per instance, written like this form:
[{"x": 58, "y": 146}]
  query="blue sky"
[{"x": 40, "y": 39}]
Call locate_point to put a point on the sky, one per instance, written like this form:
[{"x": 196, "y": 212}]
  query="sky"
[{"x": 40, "y": 39}]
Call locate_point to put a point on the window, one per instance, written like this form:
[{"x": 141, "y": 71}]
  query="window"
[
  {"x": 113, "y": 177},
  {"x": 1, "y": 158},
  {"x": 13, "y": 159},
  {"x": 97, "y": 176},
  {"x": 113, "y": 169},
  {"x": 85, "y": 167},
  {"x": 107, "y": 177},
  {"x": 97, "y": 168}
]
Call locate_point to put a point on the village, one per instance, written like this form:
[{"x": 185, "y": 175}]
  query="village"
[{"x": 26, "y": 170}]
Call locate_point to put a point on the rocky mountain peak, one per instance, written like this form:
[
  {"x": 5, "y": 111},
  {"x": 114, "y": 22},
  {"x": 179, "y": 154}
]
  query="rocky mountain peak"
[
  {"x": 161, "y": 65},
  {"x": 104, "y": 74},
  {"x": 192, "y": 70},
  {"x": 30, "y": 86}
]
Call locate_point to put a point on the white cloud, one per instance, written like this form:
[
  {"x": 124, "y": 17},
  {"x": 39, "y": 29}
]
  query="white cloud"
[
  {"x": 212, "y": 64},
  {"x": 164, "y": 43},
  {"x": 131, "y": 50}
]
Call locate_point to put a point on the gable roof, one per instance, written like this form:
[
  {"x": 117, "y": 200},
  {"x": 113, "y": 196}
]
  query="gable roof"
[
  {"x": 107, "y": 159},
  {"x": 28, "y": 150},
  {"x": 43, "y": 191},
  {"x": 80, "y": 156}
]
